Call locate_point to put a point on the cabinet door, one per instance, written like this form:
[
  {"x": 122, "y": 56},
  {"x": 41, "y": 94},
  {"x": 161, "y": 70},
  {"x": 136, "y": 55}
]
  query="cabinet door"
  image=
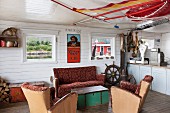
[
  {"x": 134, "y": 70},
  {"x": 159, "y": 81},
  {"x": 168, "y": 82},
  {"x": 144, "y": 70}
]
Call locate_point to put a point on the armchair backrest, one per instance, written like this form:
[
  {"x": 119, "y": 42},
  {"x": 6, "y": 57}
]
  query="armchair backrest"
[
  {"x": 67, "y": 104},
  {"x": 144, "y": 89},
  {"x": 38, "y": 101}
]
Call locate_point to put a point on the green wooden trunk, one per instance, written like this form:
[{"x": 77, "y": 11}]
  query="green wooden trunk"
[
  {"x": 92, "y": 99},
  {"x": 105, "y": 97},
  {"x": 81, "y": 101}
]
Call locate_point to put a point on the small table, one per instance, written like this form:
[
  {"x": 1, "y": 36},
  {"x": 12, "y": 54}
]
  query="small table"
[{"x": 91, "y": 96}]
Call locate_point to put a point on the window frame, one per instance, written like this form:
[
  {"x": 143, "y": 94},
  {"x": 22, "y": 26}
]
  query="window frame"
[
  {"x": 54, "y": 49},
  {"x": 112, "y": 45}
]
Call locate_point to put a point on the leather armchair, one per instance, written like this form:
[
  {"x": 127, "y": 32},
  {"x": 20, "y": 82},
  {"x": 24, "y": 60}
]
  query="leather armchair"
[
  {"x": 130, "y": 98},
  {"x": 39, "y": 100}
]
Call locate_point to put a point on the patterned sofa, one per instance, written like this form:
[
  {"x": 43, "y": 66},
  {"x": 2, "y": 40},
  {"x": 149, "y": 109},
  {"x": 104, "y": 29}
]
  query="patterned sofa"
[{"x": 77, "y": 77}]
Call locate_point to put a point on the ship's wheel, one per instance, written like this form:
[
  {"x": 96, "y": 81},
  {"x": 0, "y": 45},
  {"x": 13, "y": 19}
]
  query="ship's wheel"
[{"x": 113, "y": 74}]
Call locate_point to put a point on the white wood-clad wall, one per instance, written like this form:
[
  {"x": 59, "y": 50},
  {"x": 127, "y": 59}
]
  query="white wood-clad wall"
[
  {"x": 14, "y": 70},
  {"x": 165, "y": 46}
]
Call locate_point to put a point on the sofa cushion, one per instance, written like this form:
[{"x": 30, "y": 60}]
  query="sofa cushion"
[
  {"x": 78, "y": 74},
  {"x": 66, "y": 88}
]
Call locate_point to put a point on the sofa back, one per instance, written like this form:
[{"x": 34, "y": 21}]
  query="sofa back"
[{"x": 77, "y": 74}]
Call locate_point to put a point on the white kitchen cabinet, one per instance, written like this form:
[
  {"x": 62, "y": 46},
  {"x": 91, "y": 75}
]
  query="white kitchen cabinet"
[
  {"x": 134, "y": 70},
  {"x": 145, "y": 70},
  {"x": 159, "y": 81},
  {"x": 168, "y": 82}
]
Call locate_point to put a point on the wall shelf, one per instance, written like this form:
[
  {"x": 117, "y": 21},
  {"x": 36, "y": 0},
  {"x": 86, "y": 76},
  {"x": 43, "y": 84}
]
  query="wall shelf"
[{"x": 9, "y": 41}]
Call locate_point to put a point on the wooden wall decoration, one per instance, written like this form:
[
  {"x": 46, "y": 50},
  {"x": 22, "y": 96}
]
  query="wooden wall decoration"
[{"x": 73, "y": 48}]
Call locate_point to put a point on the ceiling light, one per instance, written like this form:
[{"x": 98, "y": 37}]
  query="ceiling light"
[{"x": 116, "y": 26}]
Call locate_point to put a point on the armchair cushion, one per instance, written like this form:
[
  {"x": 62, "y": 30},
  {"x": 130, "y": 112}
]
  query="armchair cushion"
[
  {"x": 128, "y": 86},
  {"x": 33, "y": 88},
  {"x": 133, "y": 87},
  {"x": 148, "y": 79}
]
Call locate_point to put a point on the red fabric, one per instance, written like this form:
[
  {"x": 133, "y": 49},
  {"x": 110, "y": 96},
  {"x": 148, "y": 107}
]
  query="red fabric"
[
  {"x": 133, "y": 87},
  {"x": 70, "y": 78},
  {"x": 66, "y": 88},
  {"x": 100, "y": 77},
  {"x": 147, "y": 78},
  {"x": 34, "y": 88},
  {"x": 128, "y": 86},
  {"x": 17, "y": 95},
  {"x": 149, "y": 9},
  {"x": 78, "y": 74}
]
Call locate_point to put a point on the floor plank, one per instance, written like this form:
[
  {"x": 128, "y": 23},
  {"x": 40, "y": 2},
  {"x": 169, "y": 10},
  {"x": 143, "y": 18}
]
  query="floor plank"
[{"x": 155, "y": 103}]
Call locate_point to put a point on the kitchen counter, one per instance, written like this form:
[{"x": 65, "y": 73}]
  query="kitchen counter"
[
  {"x": 167, "y": 67},
  {"x": 161, "y": 75}
]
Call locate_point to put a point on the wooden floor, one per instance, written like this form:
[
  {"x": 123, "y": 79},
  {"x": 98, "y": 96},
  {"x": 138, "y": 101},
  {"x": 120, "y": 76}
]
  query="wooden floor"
[{"x": 155, "y": 103}]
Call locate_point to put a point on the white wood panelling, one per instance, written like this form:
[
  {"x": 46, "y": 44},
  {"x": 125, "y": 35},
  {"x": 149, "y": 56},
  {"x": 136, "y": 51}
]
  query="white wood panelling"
[
  {"x": 14, "y": 70},
  {"x": 165, "y": 46}
]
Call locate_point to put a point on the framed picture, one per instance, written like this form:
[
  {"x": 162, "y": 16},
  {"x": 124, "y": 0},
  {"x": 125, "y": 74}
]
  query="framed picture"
[{"x": 73, "y": 48}]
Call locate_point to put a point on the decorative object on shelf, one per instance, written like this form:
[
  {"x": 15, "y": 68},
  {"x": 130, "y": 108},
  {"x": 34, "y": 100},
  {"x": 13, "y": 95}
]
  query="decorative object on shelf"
[
  {"x": 3, "y": 43},
  {"x": 73, "y": 48},
  {"x": 9, "y": 38},
  {"x": 10, "y": 32},
  {"x": 9, "y": 44}
]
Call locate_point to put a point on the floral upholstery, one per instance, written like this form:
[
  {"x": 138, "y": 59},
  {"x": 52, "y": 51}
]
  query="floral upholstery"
[
  {"x": 34, "y": 88},
  {"x": 79, "y": 74},
  {"x": 66, "y": 88},
  {"x": 147, "y": 78},
  {"x": 128, "y": 86},
  {"x": 133, "y": 87},
  {"x": 69, "y": 78},
  {"x": 100, "y": 77}
]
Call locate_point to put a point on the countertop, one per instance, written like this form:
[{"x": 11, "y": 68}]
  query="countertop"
[{"x": 149, "y": 65}]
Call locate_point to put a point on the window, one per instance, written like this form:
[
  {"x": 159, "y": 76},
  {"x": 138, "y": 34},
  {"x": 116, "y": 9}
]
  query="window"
[
  {"x": 108, "y": 49},
  {"x": 103, "y": 47},
  {"x": 40, "y": 47}
]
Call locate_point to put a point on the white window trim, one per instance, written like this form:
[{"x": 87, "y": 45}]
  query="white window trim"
[
  {"x": 54, "y": 49},
  {"x": 113, "y": 39}
]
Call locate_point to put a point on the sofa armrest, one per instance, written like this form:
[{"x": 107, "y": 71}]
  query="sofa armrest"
[
  {"x": 128, "y": 86},
  {"x": 124, "y": 101},
  {"x": 56, "y": 85},
  {"x": 67, "y": 104},
  {"x": 100, "y": 77}
]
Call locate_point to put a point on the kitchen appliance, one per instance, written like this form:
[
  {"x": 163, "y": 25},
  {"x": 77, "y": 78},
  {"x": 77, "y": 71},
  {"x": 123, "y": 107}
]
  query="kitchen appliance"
[
  {"x": 161, "y": 59},
  {"x": 157, "y": 57},
  {"x": 154, "y": 56}
]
